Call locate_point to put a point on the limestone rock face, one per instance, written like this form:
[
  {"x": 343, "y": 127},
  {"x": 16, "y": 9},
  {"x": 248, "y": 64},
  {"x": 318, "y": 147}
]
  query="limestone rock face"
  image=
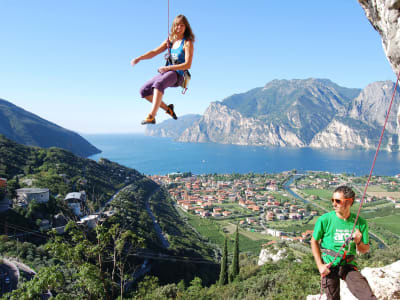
[
  {"x": 172, "y": 128},
  {"x": 384, "y": 282},
  {"x": 361, "y": 126},
  {"x": 339, "y": 135},
  {"x": 301, "y": 113},
  {"x": 369, "y": 106},
  {"x": 384, "y": 16},
  {"x": 267, "y": 255},
  {"x": 220, "y": 124}
]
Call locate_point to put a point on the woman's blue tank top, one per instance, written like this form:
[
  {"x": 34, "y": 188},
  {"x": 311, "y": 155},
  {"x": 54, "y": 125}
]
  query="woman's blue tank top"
[{"x": 178, "y": 56}]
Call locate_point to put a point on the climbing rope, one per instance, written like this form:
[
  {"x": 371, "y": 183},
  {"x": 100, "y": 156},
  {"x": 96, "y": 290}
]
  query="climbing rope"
[
  {"x": 346, "y": 242},
  {"x": 376, "y": 153},
  {"x": 168, "y": 21}
]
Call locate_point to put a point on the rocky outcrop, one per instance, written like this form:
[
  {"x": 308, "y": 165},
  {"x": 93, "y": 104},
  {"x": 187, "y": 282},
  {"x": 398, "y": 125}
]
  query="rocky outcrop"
[
  {"x": 271, "y": 254},
  {"x": 361, "y": 125},
  {"x": 384, "y": 282},
  {"x": 220, "y": 124},
  {"x": 384, "y": 15},
  {"x": 172, "y": 128},
  {"x": 339, "y": 135},
  {"x": 368, "y": 106},
  {"x": 301, "y": 113}
]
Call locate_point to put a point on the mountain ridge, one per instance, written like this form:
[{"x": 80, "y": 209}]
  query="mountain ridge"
[
  {"x": 29, "y": 129},
  {"x": 300, "y": 113}
]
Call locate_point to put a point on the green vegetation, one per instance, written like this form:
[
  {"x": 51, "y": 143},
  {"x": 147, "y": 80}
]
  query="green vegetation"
[
  {"x": 390, "y": 223},
  {"x": 223, "y": 275},
  {"x": 123, "y": 257}
]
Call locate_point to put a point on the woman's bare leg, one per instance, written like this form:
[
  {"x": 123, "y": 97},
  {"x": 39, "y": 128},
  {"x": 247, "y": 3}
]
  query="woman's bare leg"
[
  {"x": 157, "y": 100},
  {"x": 163, "y": 105}
]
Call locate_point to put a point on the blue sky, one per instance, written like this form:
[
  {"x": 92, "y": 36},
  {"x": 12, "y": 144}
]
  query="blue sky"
[{"x": 69, "y": 61}]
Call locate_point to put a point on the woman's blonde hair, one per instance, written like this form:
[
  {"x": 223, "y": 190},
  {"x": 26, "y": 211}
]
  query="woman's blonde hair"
[{"x": 188, "y": 34}]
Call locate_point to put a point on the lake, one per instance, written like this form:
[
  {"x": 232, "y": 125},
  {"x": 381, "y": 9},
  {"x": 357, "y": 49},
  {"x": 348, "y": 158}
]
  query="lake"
[{"x": 154, "y": 155}]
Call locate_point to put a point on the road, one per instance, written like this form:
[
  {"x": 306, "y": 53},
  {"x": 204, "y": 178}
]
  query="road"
[
  {"x": 157, "y": 227},
  {"x": 8, "y": 277}
]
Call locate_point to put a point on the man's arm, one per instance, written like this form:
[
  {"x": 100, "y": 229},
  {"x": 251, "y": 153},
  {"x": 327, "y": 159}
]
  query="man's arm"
[
  {"x": 361, "y": 247},
  {"x": 316, "y": 251}
]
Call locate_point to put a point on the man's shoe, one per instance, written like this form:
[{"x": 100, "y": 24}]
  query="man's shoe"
[
  {"x": 171, "y": 112},
  {"x": 149, "y": 120}
]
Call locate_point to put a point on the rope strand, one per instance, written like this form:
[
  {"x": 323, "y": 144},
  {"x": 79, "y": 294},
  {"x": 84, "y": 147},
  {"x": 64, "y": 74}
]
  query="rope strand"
[
  {"x": 376, "y": 154},
  {"x": 369, "y": 177}
]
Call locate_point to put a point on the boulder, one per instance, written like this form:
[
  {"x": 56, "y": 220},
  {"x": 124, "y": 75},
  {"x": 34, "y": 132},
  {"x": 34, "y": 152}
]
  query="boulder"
[{"x": 384, "y": 282}]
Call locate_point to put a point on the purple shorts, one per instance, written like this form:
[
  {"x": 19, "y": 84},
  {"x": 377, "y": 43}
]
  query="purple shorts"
[{"x": 161, "y": 82}]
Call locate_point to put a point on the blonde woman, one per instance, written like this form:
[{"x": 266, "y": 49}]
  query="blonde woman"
[{"x": 181, "y": 42}]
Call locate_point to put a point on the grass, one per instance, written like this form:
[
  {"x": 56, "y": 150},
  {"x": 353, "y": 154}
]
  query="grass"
[
  {"x": 324, "y": 194},
  {"x": 213, "y": 231},
  {"x": 390, "y": 223}
]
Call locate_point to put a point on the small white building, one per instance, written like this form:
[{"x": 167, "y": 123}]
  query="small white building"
[
  {"x": 26, "y": 195},
  {"x": 75, "y": 201},
  {"x": 90, "y": 221}
]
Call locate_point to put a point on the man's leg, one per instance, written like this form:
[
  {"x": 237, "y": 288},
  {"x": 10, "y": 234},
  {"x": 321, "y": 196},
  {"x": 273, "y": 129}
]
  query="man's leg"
[
  {"x": 358, "y": 285},
  {"x": 331, "y": 285}
]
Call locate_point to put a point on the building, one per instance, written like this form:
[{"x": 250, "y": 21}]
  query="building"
[
  {"x": 3, "y": 183},
  {"x": 26, "y": 195},
  {"x": 76, "y": 201},
  {"x": 90, "y": 221}
]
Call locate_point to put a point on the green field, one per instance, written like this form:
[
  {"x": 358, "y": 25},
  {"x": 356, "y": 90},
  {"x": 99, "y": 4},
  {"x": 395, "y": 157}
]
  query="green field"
[
  {"x": 391, "y": 223},
  {"x": 213, "y": 230},
  {"x": 324, "y": 194}
]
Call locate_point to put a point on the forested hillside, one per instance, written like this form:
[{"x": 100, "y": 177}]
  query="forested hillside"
[
  {"x": 27, "y": 128},
  {"x": 104, "y": 261}
]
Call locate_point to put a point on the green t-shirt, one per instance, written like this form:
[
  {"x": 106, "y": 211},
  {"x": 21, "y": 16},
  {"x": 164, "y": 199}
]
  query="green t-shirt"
[{"x": 333, "y": 231}]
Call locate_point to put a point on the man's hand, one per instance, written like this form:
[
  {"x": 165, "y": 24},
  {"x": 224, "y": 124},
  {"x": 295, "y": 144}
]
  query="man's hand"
[
  {"x": 324, "y": 269},
  {"x": 357, "y": 236}
]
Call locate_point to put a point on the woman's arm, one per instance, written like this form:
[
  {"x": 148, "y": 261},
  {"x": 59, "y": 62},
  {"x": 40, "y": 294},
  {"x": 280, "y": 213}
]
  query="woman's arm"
[
  {"x": 151, "y": 53},
  {"x": 188, "y": 59}
]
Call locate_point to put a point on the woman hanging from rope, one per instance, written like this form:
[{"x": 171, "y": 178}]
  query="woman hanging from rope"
[{"x": 180, "y": 42}]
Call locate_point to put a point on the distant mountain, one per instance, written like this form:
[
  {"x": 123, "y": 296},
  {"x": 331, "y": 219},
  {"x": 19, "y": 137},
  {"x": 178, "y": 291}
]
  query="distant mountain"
[
  {"x": 361, "y": 125},
  {"x": 172, "y": 128},
  {"x": 26, "y": 128},
  {"x": 300, "y": 113}
]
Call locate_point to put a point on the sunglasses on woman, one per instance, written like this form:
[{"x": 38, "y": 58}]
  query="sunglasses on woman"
[{"x": 339, "y": 201}]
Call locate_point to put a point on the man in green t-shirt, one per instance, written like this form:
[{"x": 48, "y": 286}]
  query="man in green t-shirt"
[{"x": 330, "y": 232}]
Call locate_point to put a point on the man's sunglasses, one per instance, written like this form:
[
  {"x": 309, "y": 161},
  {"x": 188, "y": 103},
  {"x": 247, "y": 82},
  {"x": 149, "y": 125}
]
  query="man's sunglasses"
[{"x": 339, "y": 201}]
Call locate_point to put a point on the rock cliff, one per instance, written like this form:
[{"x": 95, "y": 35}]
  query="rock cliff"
[
  {"x": 172, "y": 128},
  {"x": 271, "y": 254},
  {"x": 300, "y": 113},
  {"x": 361, "y": 125},
  {"x": 384, "y": 15},
  {"x": 220, "y": 124},
  {"x": 384, "y": 282}
]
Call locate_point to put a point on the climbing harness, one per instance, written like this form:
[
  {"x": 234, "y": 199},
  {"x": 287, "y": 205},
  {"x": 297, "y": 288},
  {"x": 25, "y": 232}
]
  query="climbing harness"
[{"x": 347, "y": 241}]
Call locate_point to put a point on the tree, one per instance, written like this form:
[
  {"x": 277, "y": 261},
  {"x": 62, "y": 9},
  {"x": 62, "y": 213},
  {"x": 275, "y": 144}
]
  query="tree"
[
  {"x": 235, "y": 261},
  {"x": 223, "y": 275},
  {"x": 12, "y": 186}
]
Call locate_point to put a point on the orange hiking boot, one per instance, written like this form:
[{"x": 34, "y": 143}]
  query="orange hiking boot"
[
  {"x": 149, "y": 120},
  {"x": 170, "y": 111}
]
